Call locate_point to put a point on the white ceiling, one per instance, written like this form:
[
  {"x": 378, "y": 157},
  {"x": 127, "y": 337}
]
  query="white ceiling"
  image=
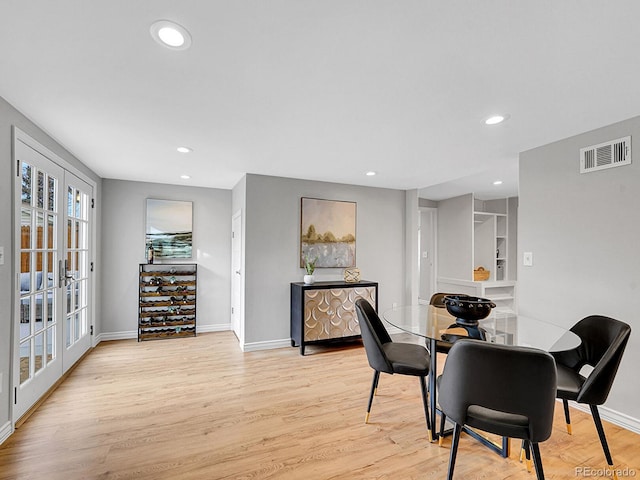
[{"x": 320, "y": 89}]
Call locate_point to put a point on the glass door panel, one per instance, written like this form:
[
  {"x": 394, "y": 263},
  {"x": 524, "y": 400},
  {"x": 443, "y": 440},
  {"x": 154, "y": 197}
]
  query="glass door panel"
[
  {"x": 37, "y": 366},
  {"x": 77, "y": 267}
]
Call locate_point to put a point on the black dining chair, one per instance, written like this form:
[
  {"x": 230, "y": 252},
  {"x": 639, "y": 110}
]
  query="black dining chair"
[
  {"x": 385, "y": 355},
  {"x": 501, "y": 389},
  {"x": 603, "y": 342},
  {"x": 437, "y": 300}
]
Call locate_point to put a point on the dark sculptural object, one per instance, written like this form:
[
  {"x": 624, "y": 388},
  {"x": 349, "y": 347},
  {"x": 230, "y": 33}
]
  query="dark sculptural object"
[{"x": 467, "y": 310}]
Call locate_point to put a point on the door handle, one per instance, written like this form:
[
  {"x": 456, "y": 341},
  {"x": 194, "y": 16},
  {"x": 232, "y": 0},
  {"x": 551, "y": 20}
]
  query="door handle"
[{"x": 64, "y": 274}]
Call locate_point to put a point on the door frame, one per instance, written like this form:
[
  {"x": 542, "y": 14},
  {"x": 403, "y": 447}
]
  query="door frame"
[
  {"x": 237, "y": 217},
  {"x": 20, "y": 136},
  {"x": 434, "y": 244}
]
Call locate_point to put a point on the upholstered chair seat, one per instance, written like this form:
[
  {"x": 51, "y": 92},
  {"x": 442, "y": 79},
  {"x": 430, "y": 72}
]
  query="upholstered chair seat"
[
  {"x": 501, "y": 389},
  {"x": 386, "y": 356},
  {"x": 603, "y": 341}
]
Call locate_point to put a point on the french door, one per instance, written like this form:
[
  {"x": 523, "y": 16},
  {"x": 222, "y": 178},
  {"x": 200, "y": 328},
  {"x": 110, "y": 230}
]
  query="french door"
[
  {"x": 53, "y": 290},
  {"x": 76, "y": 268}
]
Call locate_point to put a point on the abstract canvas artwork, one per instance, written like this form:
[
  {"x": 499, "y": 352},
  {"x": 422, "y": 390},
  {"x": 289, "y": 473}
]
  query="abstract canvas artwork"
[
  {"x": 328, "y": 232},
  {"x": 169, "y": 228}
]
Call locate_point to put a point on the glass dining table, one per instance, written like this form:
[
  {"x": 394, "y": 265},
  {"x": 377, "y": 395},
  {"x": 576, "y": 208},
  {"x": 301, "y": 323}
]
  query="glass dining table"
[{"x": 433, "y": 324}]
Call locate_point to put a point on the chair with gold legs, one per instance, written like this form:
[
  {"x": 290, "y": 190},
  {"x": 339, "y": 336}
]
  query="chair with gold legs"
[
  {"x": 385, "y": 355},
  {"x": 603, "y": 342}
]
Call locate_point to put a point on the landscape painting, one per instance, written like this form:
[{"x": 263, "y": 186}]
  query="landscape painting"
[
  {"x": 328, "y": 233},
  {"x": 169, "y": 228}
]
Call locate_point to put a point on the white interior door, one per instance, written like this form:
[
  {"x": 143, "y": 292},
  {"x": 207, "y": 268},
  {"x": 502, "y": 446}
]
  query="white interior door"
[
  {"x": 236, "y": 277},
  {"x": 53, "y": 285}
]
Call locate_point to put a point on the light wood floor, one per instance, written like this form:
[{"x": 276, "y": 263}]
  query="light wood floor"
[{"x": 198, "y": 408}]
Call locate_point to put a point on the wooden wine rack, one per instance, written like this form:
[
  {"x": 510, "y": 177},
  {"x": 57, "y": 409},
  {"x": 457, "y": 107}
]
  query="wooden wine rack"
[{"x": 167, "y": 301}]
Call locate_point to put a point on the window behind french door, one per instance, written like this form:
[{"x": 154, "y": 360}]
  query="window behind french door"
[{"x": 53, "y": 285}]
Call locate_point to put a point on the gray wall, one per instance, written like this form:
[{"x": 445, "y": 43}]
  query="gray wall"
[
  {"x": 424, "y": 202},
  {"x": 583, "y": 231},
  {"x": 9, "y": 117},
  {"x": 124, "y": 205},
  {"x": 455, "y": 238},
  {"x": 272, "y": 233}
]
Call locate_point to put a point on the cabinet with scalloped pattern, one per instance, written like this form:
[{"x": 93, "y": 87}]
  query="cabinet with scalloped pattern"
[{"x": 325, "y": 311}]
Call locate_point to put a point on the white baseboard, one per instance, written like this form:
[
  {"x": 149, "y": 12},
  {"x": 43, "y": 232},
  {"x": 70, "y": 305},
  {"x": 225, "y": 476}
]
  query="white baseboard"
[
  {"x": 620, "y": 419},
  {"x": 219, "y": 327},
  {"x": 5, "y": 431},
  {"x": 107, "y": 336},
  {"x": 268, "y": 345},
  {"x": 133, "y": 334}
]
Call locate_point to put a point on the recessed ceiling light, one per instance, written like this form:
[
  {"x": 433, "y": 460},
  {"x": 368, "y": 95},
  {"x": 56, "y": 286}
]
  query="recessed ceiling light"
[
  {"x": 184, "y": 149},
  {"x": 171, "y": 35},
  {"x": 185, "y": 177},
  {"x": 498, "y": 182},
  {"x": 371, "y": 173},
  {"x": 496, "y": 119}
]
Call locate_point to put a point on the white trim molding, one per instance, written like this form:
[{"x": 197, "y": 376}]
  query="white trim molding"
[
  {"x": 107, "y": 336},
  {"x": 218, "y": 327},
  {"x": 5, "y": 431},
  {"x": 617, "y": 418},
  {"x": 266, "y": 345},
  {"x": 133, "y": 334}
]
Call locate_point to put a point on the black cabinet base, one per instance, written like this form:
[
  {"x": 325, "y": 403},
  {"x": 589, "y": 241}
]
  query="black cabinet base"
[
  {"x": 329, "y": 342},
  {"x": 324, "y": 312}
]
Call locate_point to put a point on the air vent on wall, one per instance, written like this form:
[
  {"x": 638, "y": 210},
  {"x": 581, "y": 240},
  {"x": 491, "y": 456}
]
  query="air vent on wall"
[{"x": 605, "y": 155}]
